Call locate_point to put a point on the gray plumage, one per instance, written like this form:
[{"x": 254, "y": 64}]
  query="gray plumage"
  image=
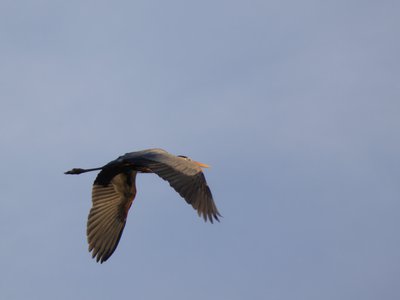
[{"x": 114, "y": 190}]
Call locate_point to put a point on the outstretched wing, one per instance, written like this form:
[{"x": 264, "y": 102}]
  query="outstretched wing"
[
  {"x": 107, "y": 217},
  {"x": 183, "y": 175}
]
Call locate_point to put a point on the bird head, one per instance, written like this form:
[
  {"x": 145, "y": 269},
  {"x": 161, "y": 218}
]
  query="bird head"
[{"x": 196, "y": 162}]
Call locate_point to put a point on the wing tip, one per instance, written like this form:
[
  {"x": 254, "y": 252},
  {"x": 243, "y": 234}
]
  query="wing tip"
[
  {"x": 98, "y": 256},
  {"x": 211, "y": 216}
]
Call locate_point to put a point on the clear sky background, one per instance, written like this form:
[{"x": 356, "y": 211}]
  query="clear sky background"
[{"x": 294, "y": 104}]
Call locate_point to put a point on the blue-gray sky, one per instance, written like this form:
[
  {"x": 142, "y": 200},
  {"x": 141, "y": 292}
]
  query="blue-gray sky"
[{"x": 295, "y": 104}]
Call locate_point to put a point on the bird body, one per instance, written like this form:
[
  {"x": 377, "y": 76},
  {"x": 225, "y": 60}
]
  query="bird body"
[{"x": 114, "y": 190}]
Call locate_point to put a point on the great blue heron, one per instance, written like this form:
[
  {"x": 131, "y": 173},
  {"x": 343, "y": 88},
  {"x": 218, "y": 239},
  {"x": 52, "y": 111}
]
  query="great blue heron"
[{"x": 114, "y": 190}]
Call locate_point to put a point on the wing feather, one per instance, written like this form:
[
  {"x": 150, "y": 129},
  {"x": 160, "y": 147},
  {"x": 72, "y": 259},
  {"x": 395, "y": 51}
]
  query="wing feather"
[
  {"x": 107, "y": 217},
  {"x": 183, "y": 175}
]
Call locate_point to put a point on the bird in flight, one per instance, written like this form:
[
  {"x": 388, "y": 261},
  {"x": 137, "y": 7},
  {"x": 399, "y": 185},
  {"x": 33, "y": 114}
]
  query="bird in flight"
[{"x": 114, "y": 190}]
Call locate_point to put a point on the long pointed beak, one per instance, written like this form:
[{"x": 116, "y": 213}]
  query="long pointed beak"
[{"x": 201, "y": 164}]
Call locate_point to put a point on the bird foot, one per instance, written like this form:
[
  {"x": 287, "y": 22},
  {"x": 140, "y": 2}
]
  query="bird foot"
[{"x": 75, "y": 171}]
